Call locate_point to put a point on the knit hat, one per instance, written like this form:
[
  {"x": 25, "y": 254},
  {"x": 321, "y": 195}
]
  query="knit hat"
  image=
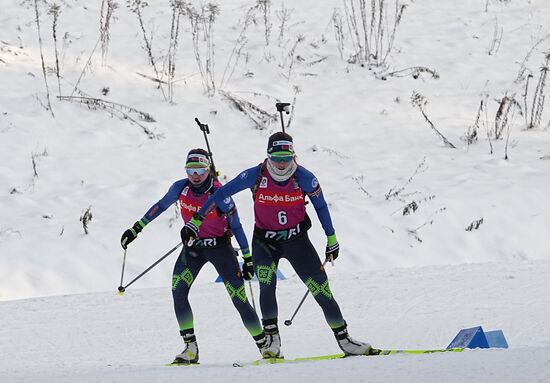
[
  {"x": 280, "y": 143},
  {"x": 198, "y": 157}
]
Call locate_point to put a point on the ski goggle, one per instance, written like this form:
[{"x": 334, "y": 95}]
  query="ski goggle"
[
  {"x": 199, "y": 171},
  {"x": 286, "y": 158}
]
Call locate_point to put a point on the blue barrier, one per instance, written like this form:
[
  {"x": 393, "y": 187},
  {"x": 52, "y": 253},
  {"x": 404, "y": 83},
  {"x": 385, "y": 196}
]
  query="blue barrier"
[
  {"x": 475, "y": 337},
  {"x": 496, "y": 339},
  {"x": 470, "y": 338}
]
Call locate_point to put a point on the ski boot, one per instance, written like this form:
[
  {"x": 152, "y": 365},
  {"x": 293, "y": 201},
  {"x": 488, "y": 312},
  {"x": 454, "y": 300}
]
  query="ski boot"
[
  {"x": 190, "y": 355},
  {"x": 351, "y": 346},
  {"x": 270, "y": 344}
]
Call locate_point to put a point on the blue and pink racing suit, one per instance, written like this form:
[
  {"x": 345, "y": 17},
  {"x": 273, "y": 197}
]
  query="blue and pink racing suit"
[
  {"x": 280, "y": 231},
  {"x": 214, "y": 246}
]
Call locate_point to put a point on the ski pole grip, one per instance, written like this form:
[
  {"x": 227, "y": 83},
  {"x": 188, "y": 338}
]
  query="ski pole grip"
[
  {"x": 203, "y": 127},
  {"x": 283, "y": 107}
]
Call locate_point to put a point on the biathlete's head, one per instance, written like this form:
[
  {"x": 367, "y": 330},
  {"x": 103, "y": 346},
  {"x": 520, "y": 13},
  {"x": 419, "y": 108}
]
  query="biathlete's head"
[
  {"x": 197, "y": 166},
  {"x": 281, "y": 162}
]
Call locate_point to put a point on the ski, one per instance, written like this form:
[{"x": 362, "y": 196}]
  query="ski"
[
  {"x": 391, "y": 352},
  {"x": 180, "y": 364},
  {"x": 378, "y": 352}
]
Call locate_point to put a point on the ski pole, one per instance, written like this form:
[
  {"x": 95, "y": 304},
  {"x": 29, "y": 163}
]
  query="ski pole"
[
  {"x": 236, "y": 250},
  {"x": 288, "y": 322},
  {"x": 252, "y": 295},
  {"x": 122, "y": 289},
  {"x": 282, "y": 106},
  {"x": 205, "y": 130}
]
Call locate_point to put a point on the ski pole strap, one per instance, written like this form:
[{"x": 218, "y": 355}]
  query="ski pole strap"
[
  {"x": 138, "y": 227},
  {"x": 331, "y": 240}
]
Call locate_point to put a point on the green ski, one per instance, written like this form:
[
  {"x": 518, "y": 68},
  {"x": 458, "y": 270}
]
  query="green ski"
[
  {"x": 260, "y": 362},
  {"x": 178, "y": 364}
]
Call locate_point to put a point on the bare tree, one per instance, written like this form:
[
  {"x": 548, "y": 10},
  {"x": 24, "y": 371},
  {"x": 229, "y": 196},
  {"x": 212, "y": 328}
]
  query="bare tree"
[
  {"x": 472, "y": 133},
  {"x": 420, "y": 102},
  {"x": 121, "y": 111},
  {"x": 108, "y": 8},
  {"x": 202, "y": 29},
  {"x": 37, "y": 21},
  {"x": 265, "y": 6},
  {"x": 396, "y": 191},
  {"x": 538, "y": 98},
  {"x": 506, "y": 108},
  {"x": 137, "y": 7},
  {"x": 284, "y": 16},
  {"x": 240, "y": 43},
  {"x": 337, "y": 22},
  {"x": 372, "y": 31},
  {"x": 496, "y": 40},
  {"x": 54, "y": 12},
  {"x": 178, "y": 9},
  {"x": 34, "y": 158},
  {"x": 290, "y": 57},
  {"x": 523, "y": 65},
  {"x": 86, "y": 218}
]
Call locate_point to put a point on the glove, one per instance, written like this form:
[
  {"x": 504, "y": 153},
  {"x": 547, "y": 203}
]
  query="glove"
[
  {"x": 332, "y": 249},
  {"x": 248, "y": 266},
  {"x": 131, "y": 234},
  {"x": 190, "y": 231}
]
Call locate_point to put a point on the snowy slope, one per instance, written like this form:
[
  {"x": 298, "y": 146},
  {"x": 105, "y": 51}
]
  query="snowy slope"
[
  {"x": 402, "y": 280},
  {"x": 106, "y": 337}
]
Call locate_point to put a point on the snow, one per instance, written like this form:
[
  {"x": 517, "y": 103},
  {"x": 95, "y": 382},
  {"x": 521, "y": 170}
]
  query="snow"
[
  {"x": 107, "y": 337},
  {"x": 402, "y": 281}
]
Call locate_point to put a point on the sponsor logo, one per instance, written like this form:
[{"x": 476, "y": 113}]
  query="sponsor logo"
[
  {"x": 154, "y": 210},
  {"x": 243, "y": 175},
  {"x": 285, "y": 145},
  {"x": 205, "y": 242},
  {"x": 196, "y": 157},
  {"x": 185, "y": 191},
  {"x": 282, "y": 235},
  {"x": 315, "y": 193},
  {"x": 189, "y": 207},
  {"x": 263, "y": 183},
  {"x": 314, "y": 183},
  {"x": 279, "y": 198}
]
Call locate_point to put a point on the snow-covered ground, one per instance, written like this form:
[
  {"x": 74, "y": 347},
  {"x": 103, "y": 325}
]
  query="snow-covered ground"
[
  {"x": 402, "y": 280},
  {"x": 104, "y": 337}
]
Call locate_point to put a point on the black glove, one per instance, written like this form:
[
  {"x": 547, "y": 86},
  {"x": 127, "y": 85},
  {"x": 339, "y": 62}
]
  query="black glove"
[
  {"x": 131, "y": 234},
  {"x": 248, "y": 266},
  {"x": 332, "y": 249},
  {"x": 190, "y": 231}
]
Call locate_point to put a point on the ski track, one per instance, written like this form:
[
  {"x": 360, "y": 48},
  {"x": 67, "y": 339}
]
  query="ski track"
[{"x": 107, "y": 337}]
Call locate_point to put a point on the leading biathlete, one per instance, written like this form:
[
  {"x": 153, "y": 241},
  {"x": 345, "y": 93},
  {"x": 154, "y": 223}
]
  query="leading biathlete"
[{"x": 279, "y": 187}]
